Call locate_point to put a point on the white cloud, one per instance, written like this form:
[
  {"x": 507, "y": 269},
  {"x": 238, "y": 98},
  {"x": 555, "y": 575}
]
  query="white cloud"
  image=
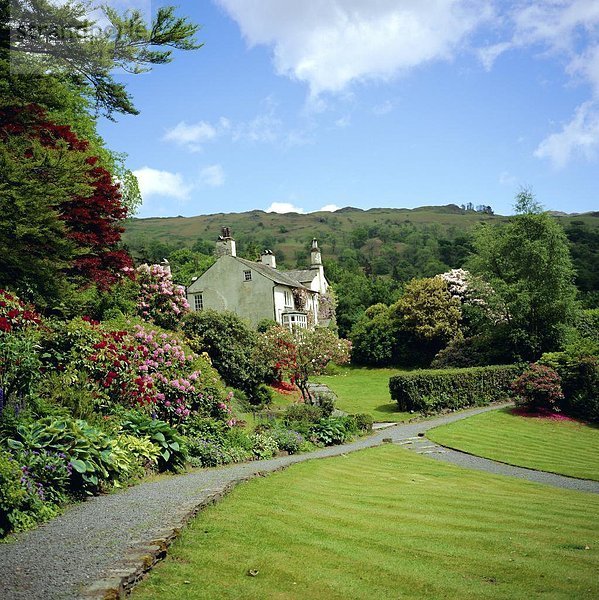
[
  {"x": 153, "y": 182},
  {"x": 330, "y": 208},
  {"x": 586, "y": 65},
  {"x": 212, "y": 176},
  {"x": 191, "y": 135},
  {"x": 284, "y": 207},
  {"x": 330, "y": 45},
  {"x": 265, "y": 128},
  {"x": 579, "y": 137},
  {"x": 566, "y": 30}
]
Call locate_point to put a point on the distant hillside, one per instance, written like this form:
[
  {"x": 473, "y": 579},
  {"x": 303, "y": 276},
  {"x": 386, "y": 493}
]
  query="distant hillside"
[
  {"x": 289, "y": 235},
  {"x": 368, "y": 254}
]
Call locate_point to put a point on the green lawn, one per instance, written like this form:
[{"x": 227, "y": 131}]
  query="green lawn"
[
  {"x": 362, "y": 390},
  {"x": 386, "y": 523},
  {"x": 564, "y": 447}
]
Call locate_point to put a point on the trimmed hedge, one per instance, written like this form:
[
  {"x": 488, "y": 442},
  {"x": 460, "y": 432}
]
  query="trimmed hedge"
[{"x": 434, "y": 390}]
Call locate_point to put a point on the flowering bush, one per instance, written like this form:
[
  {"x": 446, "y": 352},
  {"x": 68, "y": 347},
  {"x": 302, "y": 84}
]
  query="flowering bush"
[
  {"x": 316, "y": 348},
  {"x": 300, "y": 353},
  {"x": 15, "y": 315},
  {"x": 19, "y": 361},
  {"x": 539, "y": 387},
  {"x": 45, "y": 473},
  {"x": 151, "y": 370},
  {"x": 277, "y": 349},
  {"x": 20, "y": 507},
  {"x": 160, "y": 300}
]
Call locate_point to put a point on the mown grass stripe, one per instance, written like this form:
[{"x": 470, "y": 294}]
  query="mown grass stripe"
[
  {"x": 567, "y": 448},
  {"x": 386, "y": 523}
]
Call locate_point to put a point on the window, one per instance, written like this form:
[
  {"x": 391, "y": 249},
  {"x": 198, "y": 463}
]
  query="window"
[
  {"x": 247, "y": 275},
  {"x": 198, "y": 302},
  {"x": 288, "y": 300}
]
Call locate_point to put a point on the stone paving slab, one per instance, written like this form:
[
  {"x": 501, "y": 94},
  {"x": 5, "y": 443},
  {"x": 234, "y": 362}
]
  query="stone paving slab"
[{"x": 101, "y": 547}]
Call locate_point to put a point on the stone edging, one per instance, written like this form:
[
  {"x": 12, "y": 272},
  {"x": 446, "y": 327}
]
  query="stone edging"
[{"x": 144, "y": 556}]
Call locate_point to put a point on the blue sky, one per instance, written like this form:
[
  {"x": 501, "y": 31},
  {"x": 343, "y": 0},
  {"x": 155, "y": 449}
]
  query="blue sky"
[{"x": 300, "y": 105}]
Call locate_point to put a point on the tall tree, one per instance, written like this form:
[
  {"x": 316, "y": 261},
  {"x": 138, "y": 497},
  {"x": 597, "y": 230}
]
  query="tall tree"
[
  {"x": 60, "y": 219},
  {"x": 527, "y": 262},
  {"x": 70, "y": 39}
]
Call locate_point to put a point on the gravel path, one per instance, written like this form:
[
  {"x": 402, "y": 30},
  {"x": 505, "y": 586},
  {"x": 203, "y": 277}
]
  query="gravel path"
[{"x": 101, "y": 543}]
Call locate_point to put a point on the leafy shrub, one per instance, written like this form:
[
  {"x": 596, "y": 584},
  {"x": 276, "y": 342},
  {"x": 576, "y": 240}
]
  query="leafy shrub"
[
  {"x": 262, "y": 396},
  {"x": 231, "y": 345},
  {"x": 330, "y": 431},
  {"x": 45, "y": 473},
  {"x": 172, "y": 445},
  {"x": 19, "y": 364},
  {"x": 211, "y": 442},
  {"x": 469, "y": 352},
  {"x": 69, "y": 391},
  {"x": 236, "y": 454},
  {"x": 326, "y": 402},
  {"x": 265, "y": 324},
  {"x": 300, "y": 417},
  {"x": 364, "y": 422},
  {"x": 12, "y": 494},
  {"x": 539, "y": 387},
  {"x": 579, "y": 375},
  {"x": 88, "y": 450},
  {"x": 206, "y": 453},
  {"x": 264, "y": 446},
  {"x": 144, "y": 451},
  {"x": 288, "y": 440},
  {"x": 430, "y": 391}
]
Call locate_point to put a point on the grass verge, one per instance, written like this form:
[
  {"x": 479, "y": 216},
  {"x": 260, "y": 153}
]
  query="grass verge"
[
  {"x": 386, "y": 523},
  {"x": 362, "y": 390},
  {"x": 565, "y": 447}
]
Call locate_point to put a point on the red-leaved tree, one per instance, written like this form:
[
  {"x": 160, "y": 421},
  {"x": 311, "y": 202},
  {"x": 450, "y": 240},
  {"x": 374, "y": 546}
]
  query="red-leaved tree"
[{"x": 61, "y": 209}]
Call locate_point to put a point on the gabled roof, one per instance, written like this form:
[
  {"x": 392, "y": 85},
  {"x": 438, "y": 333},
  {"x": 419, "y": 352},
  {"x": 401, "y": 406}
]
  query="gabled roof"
[
  {"x": 277, "y": 276},
  {"x": 302, "y": 275}
]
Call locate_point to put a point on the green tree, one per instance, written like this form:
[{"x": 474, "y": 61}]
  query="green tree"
[
  {"x": 231, "y": 345},
  {"x": 427, "y": 318},
  {"x": 527, "y": 262},
  {"x": 374, "y": 337},
  {"x": 47, "y": 38}
]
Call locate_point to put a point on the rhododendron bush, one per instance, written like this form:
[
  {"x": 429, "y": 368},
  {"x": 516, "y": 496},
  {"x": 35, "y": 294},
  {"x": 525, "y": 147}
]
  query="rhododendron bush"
[
  {"x": 160, "y": 300},
  {"x": 142, "y": 368},
  {"x": 276, "y": 347},
  {"x": 19, "y": 363},
  {"x": 16, "y": 314},
  {"x": 301, "y": 353}
]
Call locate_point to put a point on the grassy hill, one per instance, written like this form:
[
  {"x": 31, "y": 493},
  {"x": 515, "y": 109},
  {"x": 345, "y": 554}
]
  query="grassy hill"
[
  {"x": 291, "y": 233},
  {"x": 394, "y": 244}
]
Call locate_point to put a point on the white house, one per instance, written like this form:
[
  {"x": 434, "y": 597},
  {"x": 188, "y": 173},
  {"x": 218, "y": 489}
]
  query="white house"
[{"x": 258, "y": 290}]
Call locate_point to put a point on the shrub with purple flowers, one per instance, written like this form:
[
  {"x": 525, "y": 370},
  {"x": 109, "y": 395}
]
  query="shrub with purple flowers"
[{"x": 45, "y": 473}]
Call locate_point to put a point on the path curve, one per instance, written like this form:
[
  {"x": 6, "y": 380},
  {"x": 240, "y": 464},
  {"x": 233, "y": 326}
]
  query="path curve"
[{"x": 102, "y": 546}]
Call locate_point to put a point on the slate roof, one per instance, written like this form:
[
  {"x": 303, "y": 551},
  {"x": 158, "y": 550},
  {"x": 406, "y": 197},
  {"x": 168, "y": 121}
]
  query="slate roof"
[
  {"x": 277, "y": 276},
  {"x": 301, "y": 275}
]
